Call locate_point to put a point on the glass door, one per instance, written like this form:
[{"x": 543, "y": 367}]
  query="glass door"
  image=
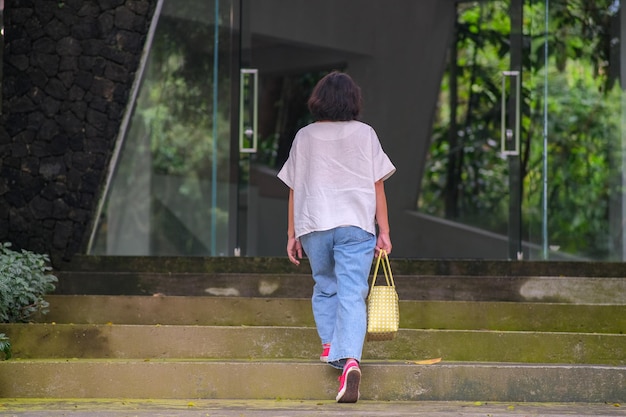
[
  {"x": 276, "y": 76},
  {"x": 475, "y": 167},
  {"x": 287, "y": 46}
]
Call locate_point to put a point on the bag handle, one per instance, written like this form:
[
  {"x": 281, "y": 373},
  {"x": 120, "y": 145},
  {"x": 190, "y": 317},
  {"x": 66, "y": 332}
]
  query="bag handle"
[{"x": 382, "y": 256}]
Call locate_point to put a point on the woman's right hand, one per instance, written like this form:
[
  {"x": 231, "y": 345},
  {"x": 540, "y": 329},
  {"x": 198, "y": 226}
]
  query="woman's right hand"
[{"x": 294, "y": 250}]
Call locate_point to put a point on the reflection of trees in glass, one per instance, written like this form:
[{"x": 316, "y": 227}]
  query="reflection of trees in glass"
[
  {"x": 467, "y": 178},
  {"x": 583, "y": 123},
  {"x": 176, "y": 109},
  {"x": 178, "y": 106}
]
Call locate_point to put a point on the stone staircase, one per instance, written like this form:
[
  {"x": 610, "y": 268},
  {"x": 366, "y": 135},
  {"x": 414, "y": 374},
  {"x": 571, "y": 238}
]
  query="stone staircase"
[{"x": 241, "y": 328}]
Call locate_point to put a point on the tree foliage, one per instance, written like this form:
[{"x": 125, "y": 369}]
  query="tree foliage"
[{"x": 467, "y": 175}]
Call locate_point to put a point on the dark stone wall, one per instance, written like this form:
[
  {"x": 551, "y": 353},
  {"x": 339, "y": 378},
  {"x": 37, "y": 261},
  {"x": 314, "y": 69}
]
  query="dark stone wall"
[{"x": 68, "y": 69}]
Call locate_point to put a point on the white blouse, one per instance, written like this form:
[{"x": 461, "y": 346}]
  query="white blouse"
[{"x": 332, "y": 168}]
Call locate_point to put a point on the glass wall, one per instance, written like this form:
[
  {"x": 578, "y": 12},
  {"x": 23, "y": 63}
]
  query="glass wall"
[
  {"x": 574, "y": 164},
  {"x": 169, "y": 191},
  {"x": 522, "y": 143},
  {"x": 570, "y": 154}
]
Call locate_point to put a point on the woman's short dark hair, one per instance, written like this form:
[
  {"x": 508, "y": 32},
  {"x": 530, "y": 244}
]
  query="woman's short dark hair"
[{"x": 336, "y": 97}]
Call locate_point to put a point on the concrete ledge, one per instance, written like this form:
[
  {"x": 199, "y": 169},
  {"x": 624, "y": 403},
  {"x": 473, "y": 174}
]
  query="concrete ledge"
[
  {"x": 400, "y": 266},
  {"x": 562, "y": 289},
  {"x": 389, "y": 381},
  {"x": 115, "y": 407},
  {"x": 273, "y": 342},
  {"x": 212, "y": 311},
  {"x": 236, "y": 311}
]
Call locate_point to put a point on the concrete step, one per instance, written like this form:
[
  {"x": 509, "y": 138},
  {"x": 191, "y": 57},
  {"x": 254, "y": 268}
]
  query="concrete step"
[
  {"x": 115, "y": 407},
  {"x": 240, "y": 311},
  {"x": 241, "y": 328},
  {"x": 446, "y": 280},
  {"x": 389, "y": 381},
  {"x": 550, "y": 289},
  {"x": 39, "y": 341}
]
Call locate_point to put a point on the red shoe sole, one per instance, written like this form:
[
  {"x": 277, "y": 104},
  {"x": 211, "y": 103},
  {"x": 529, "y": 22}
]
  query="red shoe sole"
[{"x": 350, "y": 392}]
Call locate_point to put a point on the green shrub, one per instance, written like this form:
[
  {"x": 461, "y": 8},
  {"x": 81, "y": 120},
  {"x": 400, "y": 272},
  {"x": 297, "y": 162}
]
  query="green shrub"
[
  {"x": 5, "y": 346},
  {"x": 24, "y": 280}
]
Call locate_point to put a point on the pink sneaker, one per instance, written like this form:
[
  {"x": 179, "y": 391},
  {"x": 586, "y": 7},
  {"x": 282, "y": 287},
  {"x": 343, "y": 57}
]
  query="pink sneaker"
[
  {"x": 325, "y": 350},
  {"x": 349, "y": 383}
]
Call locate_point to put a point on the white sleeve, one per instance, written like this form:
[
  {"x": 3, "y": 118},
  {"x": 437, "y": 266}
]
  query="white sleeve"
[{"x": 383, "y": 168}]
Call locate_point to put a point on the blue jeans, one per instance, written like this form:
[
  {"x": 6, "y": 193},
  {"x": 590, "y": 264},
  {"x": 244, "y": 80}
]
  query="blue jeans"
[{"x": 340, "y": 260}]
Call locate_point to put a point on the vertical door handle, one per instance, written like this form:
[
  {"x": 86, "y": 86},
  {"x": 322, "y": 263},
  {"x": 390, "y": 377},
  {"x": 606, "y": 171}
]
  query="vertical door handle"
[
  {"x": 248, "y": 110},
  {"x": 510, "y": 135}
]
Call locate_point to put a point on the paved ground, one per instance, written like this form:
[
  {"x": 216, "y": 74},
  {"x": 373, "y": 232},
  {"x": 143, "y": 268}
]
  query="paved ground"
[{"x": 258, "y": 408}]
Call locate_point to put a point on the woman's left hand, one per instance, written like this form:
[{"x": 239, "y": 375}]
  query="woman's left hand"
[{"x": 383, "y": 242}]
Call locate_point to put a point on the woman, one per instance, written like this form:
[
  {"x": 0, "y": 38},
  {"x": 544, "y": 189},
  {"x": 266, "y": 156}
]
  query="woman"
[{"x": 336, "y": 171}]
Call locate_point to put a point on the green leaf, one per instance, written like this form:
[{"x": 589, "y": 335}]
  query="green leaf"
[
  {"x": 24, "y": 280},
  {"x": 5, "y": 346}
]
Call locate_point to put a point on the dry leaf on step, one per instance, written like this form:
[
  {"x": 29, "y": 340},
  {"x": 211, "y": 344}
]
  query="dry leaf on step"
[{"x": 425, "y": 361}]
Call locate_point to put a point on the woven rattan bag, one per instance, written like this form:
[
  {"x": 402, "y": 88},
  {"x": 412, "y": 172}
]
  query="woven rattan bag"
[{"x": 383, "y": 311}]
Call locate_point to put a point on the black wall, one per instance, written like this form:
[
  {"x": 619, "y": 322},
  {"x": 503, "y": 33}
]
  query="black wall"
[{"x": 68, "y": 69}]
